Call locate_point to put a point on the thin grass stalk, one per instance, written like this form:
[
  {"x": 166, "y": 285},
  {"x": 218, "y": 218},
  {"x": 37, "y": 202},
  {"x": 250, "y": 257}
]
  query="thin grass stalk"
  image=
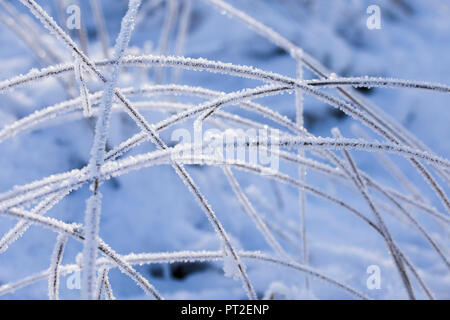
[
  {"x": 101, "y": 26},
  {"x": 301, "y": 169},
  {"x": 93, "y": 207},
  {"x": 53, "y": 279},
  {"x": 75, "y": 231}
]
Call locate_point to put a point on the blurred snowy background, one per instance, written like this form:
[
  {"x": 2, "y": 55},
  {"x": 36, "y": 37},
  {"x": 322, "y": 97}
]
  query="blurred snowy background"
[{"x": 151, "y": 211}]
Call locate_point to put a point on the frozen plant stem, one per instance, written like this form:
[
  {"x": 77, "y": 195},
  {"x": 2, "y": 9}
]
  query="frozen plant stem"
[
  {"x": 301, "y": 169},
  {"x": 103, "y": 285},
  {"x": 53, "y": 279},
  {"x": 93, "y": 208},
  {"x": 84, "y": 93}
]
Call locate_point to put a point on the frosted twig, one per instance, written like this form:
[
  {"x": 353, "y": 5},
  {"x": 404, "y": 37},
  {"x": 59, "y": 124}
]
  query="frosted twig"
[
  {"x": 371, "y": 82},
  {"x": 53, "y": 279},
  {"x": 92, "y": 222},
  {"x": 108, "y": 289},
  {"x": 103, "y": 285},
  {"x": 341, "y": 144},
  {"x": 199, "y": 65}
]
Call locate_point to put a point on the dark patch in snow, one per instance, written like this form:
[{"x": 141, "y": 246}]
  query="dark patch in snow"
[{"x": 181, "y": 270}]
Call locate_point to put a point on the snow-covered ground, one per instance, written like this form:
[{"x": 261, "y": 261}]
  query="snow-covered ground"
[{"x": 152, "y": 211}]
